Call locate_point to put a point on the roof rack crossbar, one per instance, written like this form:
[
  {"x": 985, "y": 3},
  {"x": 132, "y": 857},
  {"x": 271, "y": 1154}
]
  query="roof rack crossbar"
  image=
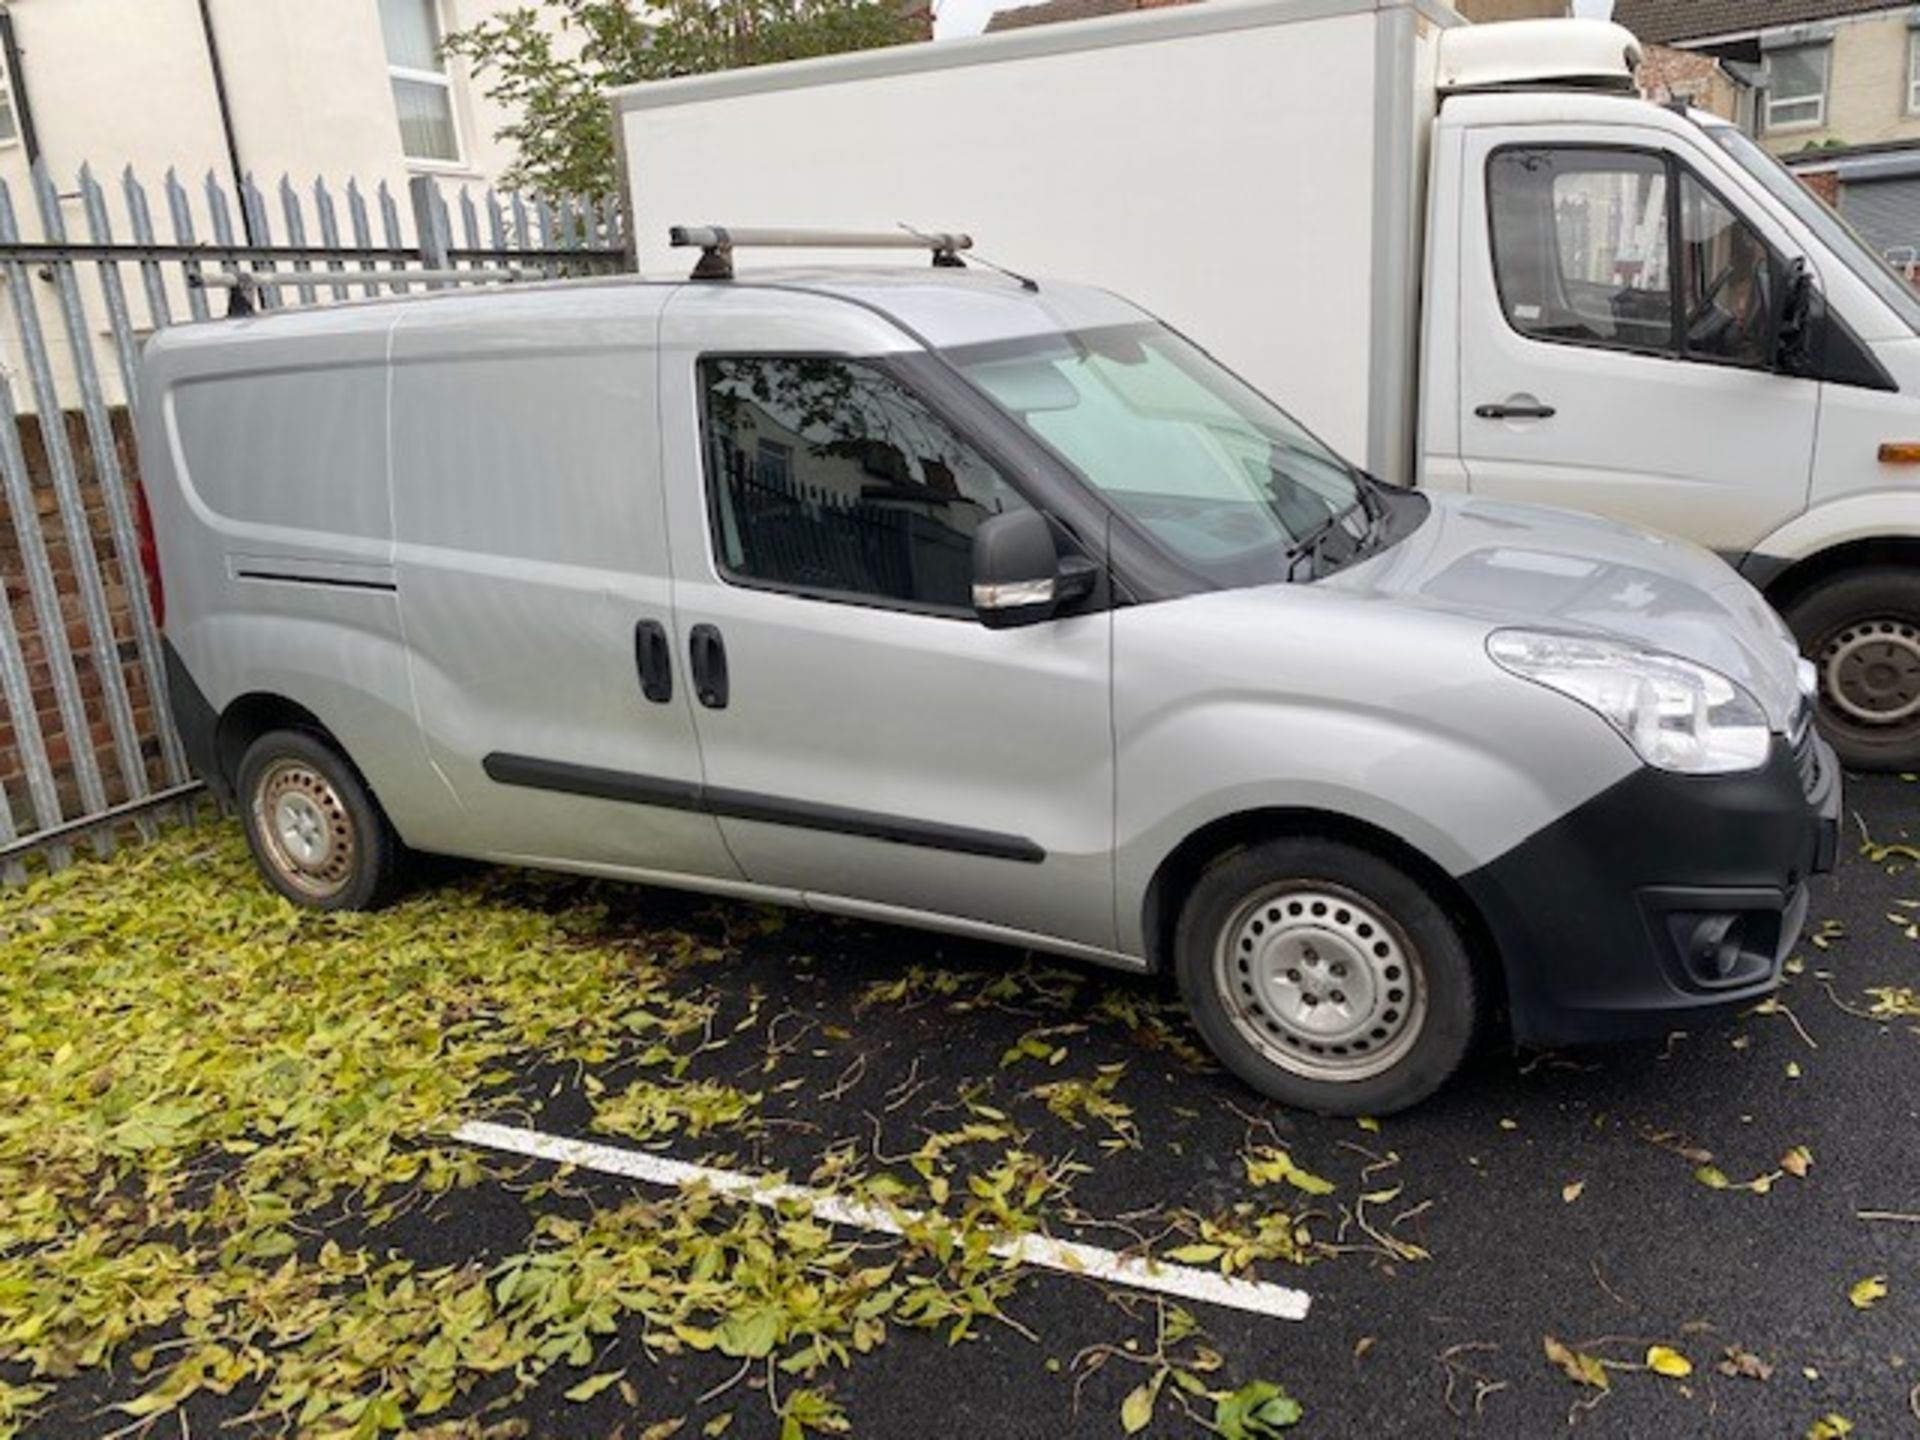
[{"x": 718, "y": 242}]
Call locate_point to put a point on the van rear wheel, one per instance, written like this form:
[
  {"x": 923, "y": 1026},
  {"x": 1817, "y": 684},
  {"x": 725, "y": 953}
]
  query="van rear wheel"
[
  {"x": 1326, "y": 977},
  {"x": 315, "y": 830},
  {"x": 1862, "y": 632}
]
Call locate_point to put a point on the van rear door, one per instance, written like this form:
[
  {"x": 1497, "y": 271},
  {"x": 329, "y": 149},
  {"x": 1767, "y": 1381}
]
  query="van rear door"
[
  {"x": 1614, "y": 311},
  {"x": 531, "y": 555}
]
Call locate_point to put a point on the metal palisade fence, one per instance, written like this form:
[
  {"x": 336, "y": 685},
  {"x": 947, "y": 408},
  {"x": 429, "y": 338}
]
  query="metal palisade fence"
[{"x": 86, "y": 741}]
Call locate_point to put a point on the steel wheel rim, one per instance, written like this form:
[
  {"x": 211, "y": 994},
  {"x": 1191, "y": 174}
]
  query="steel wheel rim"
[
  {"x": 304, "y": 828},
  {"x": 1870, "y": 671},
  {"x": 1321, "y": 982}
]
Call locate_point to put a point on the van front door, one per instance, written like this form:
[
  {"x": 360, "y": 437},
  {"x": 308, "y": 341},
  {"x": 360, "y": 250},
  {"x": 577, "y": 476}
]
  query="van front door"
[
  {"x": 532, "y": 565},
  {"x": 1616, "y": 326},
  {"x": 864, "y": 738}
]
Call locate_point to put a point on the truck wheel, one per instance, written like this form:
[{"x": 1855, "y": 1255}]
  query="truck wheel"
[
  {"x": 1325, "y": 977},
  {"x": 315, "y": 830},
  {"x": 1862, "y": 632}
]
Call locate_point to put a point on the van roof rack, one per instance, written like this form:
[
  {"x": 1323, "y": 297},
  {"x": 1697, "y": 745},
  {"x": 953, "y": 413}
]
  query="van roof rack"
[{"x": 718, "y": 242}]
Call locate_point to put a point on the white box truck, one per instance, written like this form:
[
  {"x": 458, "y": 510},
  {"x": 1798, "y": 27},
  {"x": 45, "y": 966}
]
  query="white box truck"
[{"x": 1471, "y": 255}]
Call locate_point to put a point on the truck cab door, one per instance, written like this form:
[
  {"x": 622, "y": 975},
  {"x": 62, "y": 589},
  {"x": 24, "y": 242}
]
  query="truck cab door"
[{"x": 1615, "y": 317}]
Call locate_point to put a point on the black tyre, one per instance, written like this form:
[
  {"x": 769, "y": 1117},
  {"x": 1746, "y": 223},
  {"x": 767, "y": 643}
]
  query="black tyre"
[
  {"x": 1326, "y": 977},
  {"x": 315, "y": 830},
  {"x": 1862, "y": 632}
]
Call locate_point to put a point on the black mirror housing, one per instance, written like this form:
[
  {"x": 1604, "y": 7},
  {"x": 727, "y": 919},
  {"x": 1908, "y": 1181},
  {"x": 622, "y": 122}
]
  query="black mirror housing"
[
  {"x": 1793, "y": 321},
  {"x": 1019, "y": 575}
]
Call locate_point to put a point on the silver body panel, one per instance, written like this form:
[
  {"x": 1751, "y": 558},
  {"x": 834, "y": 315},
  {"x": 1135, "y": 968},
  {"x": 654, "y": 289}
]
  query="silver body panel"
[{"x": 532, "y": 488}]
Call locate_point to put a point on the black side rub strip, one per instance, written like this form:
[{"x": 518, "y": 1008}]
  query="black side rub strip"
[
  {"x": 537, "y": 774},
  {"x": 333, "y": 581}
]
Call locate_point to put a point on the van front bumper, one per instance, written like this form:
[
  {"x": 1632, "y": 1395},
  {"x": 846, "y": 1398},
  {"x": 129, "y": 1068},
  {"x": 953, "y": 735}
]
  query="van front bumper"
[{"x": 1663, "y": 900}]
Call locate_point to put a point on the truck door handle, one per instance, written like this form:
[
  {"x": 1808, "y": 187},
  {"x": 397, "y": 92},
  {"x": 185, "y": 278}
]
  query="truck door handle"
[
  {"x": 708, "y": 654},
  {"x": 653, "y": 658},
  {"x": 1514, "y": 412}
]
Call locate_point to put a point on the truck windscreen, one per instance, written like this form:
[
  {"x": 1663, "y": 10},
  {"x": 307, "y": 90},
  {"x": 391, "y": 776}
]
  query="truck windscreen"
[
  {"x": 1838, "y": 236},
  {"x": 1228, "y": 482}
]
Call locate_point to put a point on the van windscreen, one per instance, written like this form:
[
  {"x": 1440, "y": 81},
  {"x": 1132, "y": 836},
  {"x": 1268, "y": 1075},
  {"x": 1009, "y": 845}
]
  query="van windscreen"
[{"x": 1207, "y": 466}]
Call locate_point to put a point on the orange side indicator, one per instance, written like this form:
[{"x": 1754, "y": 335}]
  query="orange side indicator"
[{"x": 1900, "y": 452}]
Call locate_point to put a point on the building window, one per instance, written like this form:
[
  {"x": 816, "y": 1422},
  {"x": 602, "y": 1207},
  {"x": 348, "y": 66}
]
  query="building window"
[
  {"x": 422, "y": 94},
  {"x": 1913, "y": 72},
  {"x": 1797, "y": 87}
]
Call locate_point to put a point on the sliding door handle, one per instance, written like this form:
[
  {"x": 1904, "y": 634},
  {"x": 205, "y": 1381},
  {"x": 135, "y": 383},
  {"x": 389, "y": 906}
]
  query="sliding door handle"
[
  {"x": 1528, "y": 411},
  {"x": 653, "y": 658},
  {"x": 707, "y": 653}
]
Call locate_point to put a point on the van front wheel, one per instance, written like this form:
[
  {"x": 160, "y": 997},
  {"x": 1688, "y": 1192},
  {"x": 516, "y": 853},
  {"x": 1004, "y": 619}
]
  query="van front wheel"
[
  {"x": 1326, "y": 977},
  {"x": 315, "y": 830},
  {"x": 1862, "y": 632}
]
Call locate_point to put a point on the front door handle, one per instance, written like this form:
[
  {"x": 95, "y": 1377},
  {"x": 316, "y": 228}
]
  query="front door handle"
[
  {"x": 653, "y": 658},
  {"x": 707, "y": 653},
  {"x": 1531, "y": 410}
]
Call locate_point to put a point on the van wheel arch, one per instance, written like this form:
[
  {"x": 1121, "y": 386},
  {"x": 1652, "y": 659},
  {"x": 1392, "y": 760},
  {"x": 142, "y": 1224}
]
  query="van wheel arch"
[
  {"x": 1804, "y": 574},
  {"x": 1174, "y": 880},
  {"x": 249, "y": 717}
]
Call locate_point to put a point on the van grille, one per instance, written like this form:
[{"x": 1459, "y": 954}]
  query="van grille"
[{"x": 1806, "y": 754}]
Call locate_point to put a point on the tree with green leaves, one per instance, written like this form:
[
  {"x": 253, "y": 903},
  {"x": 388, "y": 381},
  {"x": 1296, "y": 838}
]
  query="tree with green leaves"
[{"x": 551, "y": 63}]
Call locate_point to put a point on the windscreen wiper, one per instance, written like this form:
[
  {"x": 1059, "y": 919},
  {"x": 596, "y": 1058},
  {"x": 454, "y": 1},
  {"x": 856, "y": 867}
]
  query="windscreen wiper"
[{"x": 1310, "y": 545}]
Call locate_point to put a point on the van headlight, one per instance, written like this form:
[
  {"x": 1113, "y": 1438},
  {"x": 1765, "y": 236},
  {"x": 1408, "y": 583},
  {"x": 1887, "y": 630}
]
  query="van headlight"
[{"x": 1677, "y": 715}]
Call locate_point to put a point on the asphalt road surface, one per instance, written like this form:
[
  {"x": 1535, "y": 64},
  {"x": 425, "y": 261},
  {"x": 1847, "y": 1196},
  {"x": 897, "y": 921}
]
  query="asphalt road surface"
[{"x": 1720, "y": 1193}]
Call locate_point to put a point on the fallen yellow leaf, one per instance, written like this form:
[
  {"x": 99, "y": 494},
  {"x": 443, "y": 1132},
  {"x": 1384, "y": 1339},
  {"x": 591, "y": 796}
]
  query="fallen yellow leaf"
[
  {"x": 1797, "y": 1161},
  {"x": 1831, "y": 1426},
  {"x": 1867, "y": 1293},
  {"x": 1581, "y": 1368},
  {"x": 1665, "y": 1360},
  {"x": 1570, "y": 1191}
]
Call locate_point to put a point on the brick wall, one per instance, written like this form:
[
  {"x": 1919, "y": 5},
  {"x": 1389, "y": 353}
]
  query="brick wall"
[{"x": 88, "y": 664}]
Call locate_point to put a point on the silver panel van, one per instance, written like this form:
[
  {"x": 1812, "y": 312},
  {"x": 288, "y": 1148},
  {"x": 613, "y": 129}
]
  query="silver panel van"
[{"x": 955, "y": 600}]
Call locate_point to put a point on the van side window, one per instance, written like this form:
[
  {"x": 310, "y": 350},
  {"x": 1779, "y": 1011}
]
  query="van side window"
[
  {"x": 829, "y": 477},
  {"x": 1580, "y": 245}
]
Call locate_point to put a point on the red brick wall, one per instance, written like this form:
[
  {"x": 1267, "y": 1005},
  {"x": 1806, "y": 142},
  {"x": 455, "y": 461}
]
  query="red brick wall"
[
  {"x": 88, "y": 664},
  {"x": 1825, "y": 184}
]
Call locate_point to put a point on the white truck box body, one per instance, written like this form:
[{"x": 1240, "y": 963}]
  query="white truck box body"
[{"x": 1144, "y": 152}]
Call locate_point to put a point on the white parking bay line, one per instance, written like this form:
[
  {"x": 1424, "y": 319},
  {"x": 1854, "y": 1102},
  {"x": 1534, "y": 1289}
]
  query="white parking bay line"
[{"x": 1204, "y": 1286}]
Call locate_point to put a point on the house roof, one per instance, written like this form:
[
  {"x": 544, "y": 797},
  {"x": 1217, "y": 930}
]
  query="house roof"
[{"x": 1665, "y": 22}]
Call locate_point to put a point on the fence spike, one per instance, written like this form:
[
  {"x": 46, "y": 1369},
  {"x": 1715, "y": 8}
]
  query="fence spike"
[
  {"x": 390, "y": 225},
  {"x": 496, "y": 221},
  {"x": 469, "y": 221},
  {"x": 329, "y": 223},
  {"x": 362, "y": 229},
  {"x": 296, "y": 233},
  {"x": 140, "y": 219}
]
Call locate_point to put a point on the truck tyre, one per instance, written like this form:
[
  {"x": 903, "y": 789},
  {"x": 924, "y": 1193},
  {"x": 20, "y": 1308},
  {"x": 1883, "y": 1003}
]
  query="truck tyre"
[
  {"x": 315, "y": 830},
  {"x": 1326, "y": 977},
  {"x": 1862, "y": 632}
]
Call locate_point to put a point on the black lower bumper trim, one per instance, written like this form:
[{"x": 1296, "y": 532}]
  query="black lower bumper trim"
[{"x": 1664, "y": 898}]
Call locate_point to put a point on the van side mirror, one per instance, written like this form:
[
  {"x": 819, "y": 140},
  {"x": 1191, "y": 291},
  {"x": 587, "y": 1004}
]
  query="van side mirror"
[
  {"x": 1019, "y": 575},
  {"x": 1793, "y": 321}
]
